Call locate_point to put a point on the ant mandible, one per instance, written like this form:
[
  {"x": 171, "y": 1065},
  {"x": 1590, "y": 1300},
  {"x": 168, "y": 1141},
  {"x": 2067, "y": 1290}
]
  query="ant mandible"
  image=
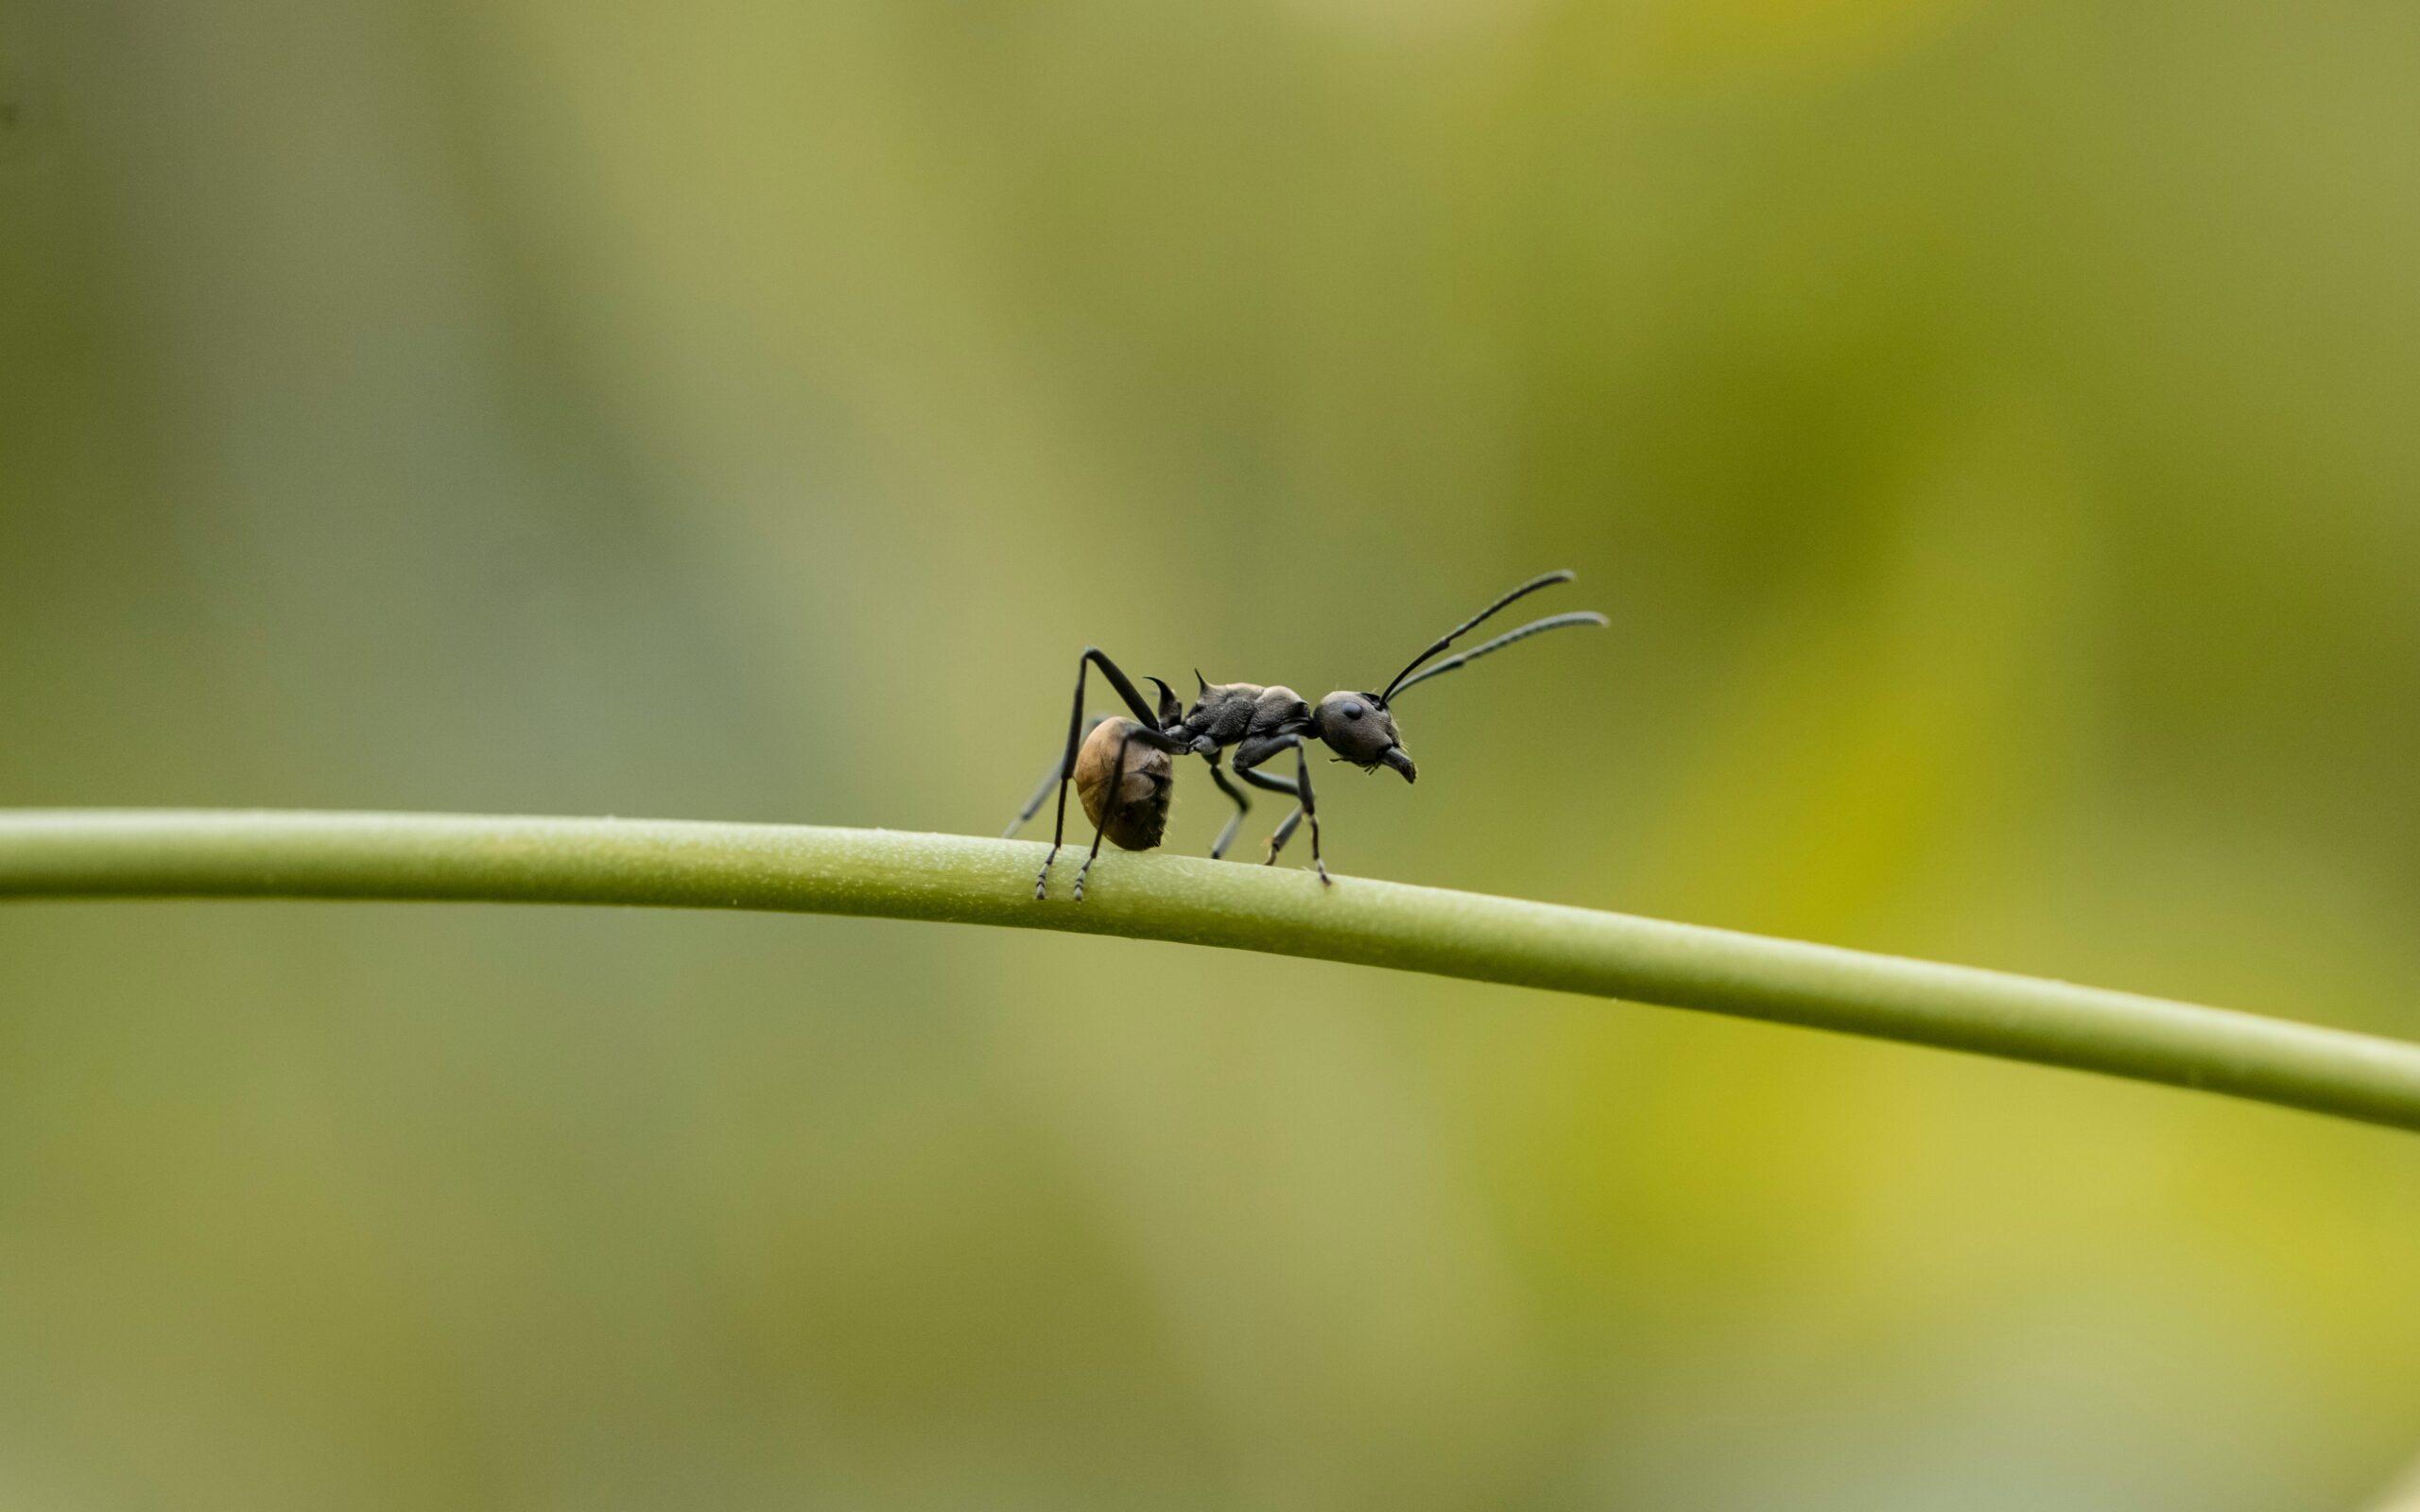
[{"x": 1122, "y": 770}]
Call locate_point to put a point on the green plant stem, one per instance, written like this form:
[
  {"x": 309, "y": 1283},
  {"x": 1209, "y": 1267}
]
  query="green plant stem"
[{"x": 164, "y": 853}]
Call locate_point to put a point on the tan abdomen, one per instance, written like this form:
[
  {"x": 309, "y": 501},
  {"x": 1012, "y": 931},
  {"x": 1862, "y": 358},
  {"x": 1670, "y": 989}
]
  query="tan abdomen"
[{"x": 1139, "y": 815}]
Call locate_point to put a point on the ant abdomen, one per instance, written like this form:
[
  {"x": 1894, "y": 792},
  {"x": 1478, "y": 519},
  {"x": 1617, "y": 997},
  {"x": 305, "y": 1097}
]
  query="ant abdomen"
[{"x": 1133, "y": 810}]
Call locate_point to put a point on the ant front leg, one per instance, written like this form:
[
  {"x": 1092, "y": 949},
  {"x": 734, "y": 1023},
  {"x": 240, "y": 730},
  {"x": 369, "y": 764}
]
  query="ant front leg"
[
  {"x": 1250, "y": 755},
  {"x": 1142, "y": 712}
]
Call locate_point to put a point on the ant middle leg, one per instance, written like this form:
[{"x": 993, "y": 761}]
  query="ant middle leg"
[
  {"x": 1235, "y": 820},
  {"x": 1250, "y": 755},
  {"x": 1285, "y": 832}
]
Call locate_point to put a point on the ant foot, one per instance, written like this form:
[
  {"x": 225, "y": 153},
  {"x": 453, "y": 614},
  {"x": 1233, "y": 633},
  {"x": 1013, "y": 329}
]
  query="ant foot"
[{"x": 1325, "y": 880}]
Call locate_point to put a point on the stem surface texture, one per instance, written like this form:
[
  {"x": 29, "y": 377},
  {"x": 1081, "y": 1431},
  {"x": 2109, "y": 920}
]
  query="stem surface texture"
[{"x": 67, "y": 853}]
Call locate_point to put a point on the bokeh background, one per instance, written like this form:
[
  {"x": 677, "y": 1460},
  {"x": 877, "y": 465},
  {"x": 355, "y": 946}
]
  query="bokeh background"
[{"x": 1989, "y": 426}]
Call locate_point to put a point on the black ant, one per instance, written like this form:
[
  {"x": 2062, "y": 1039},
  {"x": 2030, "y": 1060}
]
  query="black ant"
[{"x": 1122, "y": 770}]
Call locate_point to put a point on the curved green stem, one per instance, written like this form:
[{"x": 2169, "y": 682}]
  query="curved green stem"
[{"x": 131, "y": 853}]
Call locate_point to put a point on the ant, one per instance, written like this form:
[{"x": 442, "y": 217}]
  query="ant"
[{"x": 1122, "y": 768}]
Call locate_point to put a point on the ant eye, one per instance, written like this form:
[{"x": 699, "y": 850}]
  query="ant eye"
[{"x": 1352, "y": 710}]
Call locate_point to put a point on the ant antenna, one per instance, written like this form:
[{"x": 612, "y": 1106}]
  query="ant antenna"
[
  {"x": 1405, "y": 678},
  {"x": 1537, "y": 627}
]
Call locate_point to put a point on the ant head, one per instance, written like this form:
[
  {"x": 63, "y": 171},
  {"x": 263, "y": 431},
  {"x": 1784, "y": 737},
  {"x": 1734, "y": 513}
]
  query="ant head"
[{"x": 1362, "y": 731}]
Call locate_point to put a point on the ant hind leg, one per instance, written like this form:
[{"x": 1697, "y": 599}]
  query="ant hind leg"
[
  {"x": 1076, "y": 730},
  {"x": 1049, "y": 780},
  {"x": 1117, "y": 766}
]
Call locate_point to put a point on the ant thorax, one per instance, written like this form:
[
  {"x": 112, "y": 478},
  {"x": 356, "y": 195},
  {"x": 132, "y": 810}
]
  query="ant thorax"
[{"x": 1228, "y": 713}]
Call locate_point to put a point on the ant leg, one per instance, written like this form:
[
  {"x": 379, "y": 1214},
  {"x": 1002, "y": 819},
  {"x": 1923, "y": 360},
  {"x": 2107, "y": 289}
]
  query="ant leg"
[
  {"x": 1126, "y": 690},
  {"x": 1285, "y": 832},
  {"x": 1256, "y": 751},
  {"x": 1243, "y": 806},
  {"x": 1311, "y": 810},
  {"x": 1041, "y": 789},
  {"x": 1117, "y": 782}
]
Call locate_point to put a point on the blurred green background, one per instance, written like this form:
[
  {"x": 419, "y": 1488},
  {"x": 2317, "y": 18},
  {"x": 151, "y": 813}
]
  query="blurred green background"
[{"x": 1989, "y": 426}]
